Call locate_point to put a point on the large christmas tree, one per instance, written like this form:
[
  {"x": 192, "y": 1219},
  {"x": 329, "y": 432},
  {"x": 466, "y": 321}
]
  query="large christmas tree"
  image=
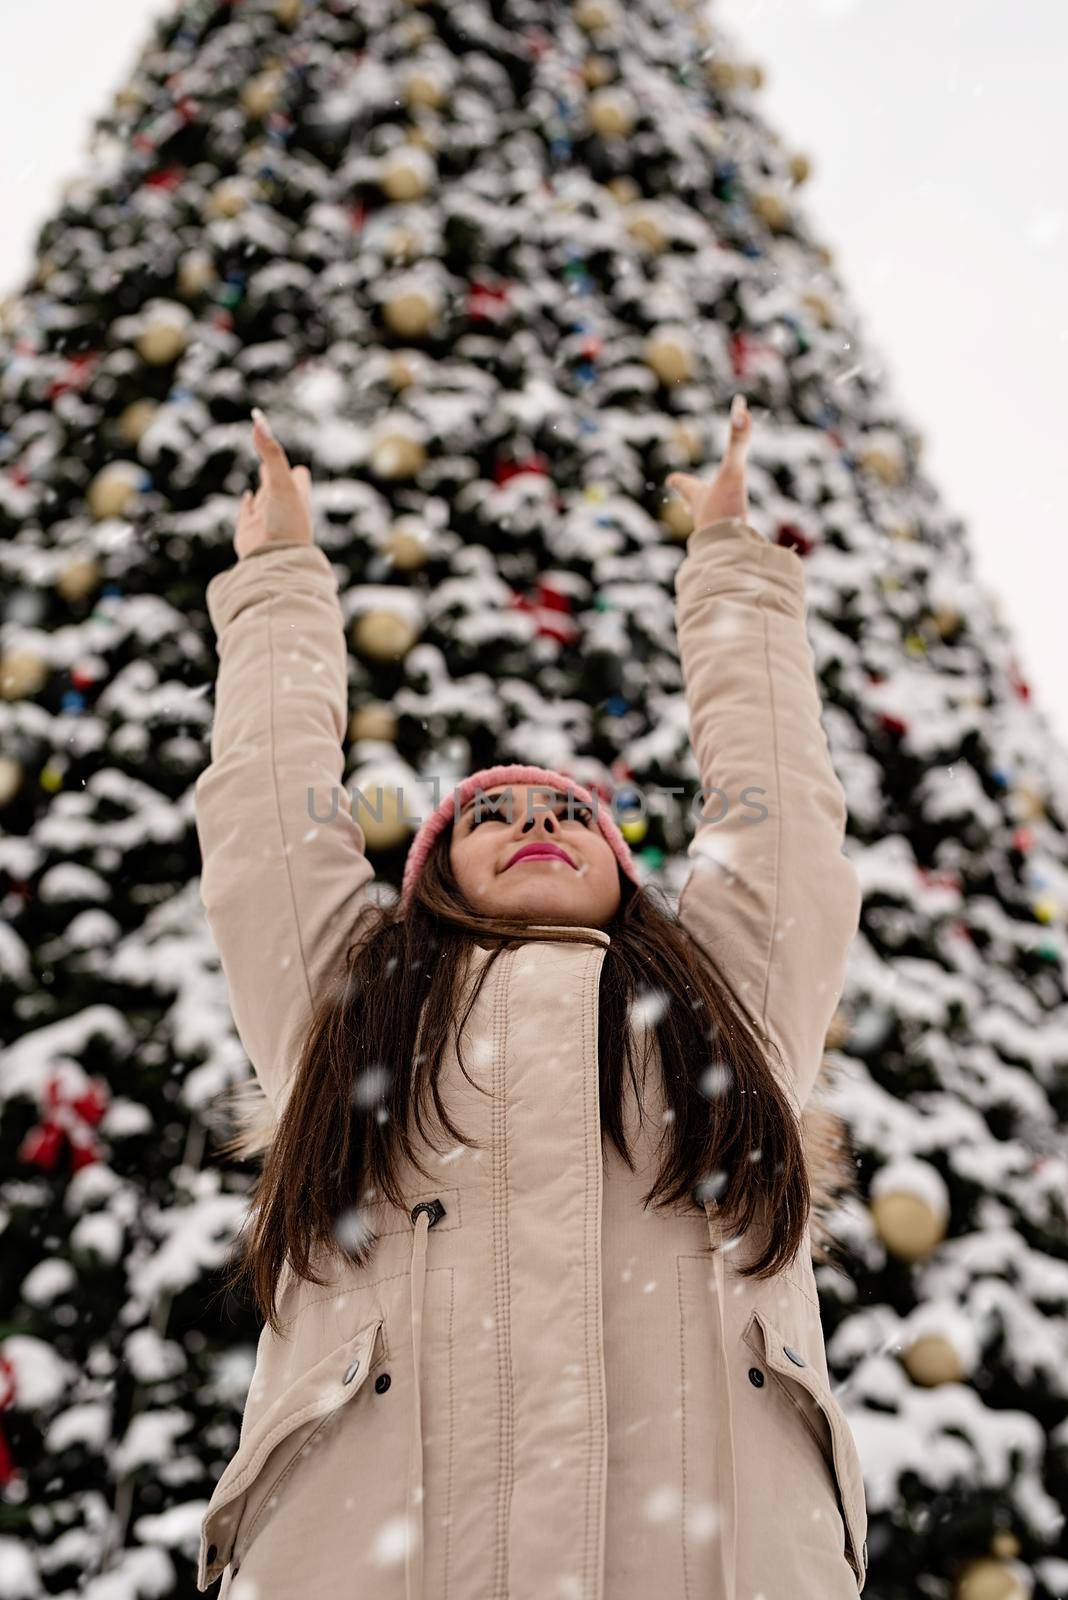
[{"x": 494, "y": 269}]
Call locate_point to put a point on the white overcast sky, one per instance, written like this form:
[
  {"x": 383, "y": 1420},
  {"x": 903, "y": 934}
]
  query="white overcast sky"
[{"x": 937, "y": 134}]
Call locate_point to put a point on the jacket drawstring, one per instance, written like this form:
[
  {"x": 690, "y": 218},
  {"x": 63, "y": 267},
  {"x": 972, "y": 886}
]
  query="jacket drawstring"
[
  {"x": 424, "y": 1215},
  {"x": 728, "y": 1492}
]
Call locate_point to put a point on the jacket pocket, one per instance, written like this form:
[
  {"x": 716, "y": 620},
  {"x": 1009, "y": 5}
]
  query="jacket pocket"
[
  {"x": 272, "y": 1448},
  {"x": 821, "y": 1413}
]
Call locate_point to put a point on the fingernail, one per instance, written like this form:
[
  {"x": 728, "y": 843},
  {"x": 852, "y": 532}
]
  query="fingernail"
[{"x": 258, "y": 416}]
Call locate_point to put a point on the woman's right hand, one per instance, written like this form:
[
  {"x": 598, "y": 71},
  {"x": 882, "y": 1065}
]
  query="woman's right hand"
[{"x": 281, "y": 506}]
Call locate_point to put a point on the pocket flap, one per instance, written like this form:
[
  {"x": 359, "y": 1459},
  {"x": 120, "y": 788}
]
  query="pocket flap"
[
  {"x": 828, "y": 1422},
  {"x": 332, "y": 1382}
]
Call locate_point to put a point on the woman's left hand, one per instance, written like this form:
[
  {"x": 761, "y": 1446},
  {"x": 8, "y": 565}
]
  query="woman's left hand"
[{"x": 725, "y": 495}]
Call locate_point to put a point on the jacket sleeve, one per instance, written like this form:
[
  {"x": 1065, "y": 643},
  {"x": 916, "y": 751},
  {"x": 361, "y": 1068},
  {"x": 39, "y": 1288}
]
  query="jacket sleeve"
[
  {"x": 281, "y": 888},
  {"x": 770, "y": 894}
]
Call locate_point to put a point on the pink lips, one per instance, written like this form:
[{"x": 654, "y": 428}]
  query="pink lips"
[{"x": 539, "y": 850}]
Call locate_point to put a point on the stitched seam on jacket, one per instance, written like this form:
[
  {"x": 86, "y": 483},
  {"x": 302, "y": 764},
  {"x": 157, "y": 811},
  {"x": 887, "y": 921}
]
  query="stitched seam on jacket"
[
  {"x": 452, "y": 1431},
  {"x": 271, "y": 710},
  {"x": 761, "y": 595},
  {"x": 502, "y": 1286},
  {"x": 594, "y": 1343},
  {"x": 276, "y": 1486}
]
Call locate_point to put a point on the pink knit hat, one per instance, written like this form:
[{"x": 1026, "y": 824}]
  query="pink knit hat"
[{"x": 457, "y": 798}]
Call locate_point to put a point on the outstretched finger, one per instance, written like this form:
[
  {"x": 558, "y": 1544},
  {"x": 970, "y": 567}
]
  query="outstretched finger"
[{"x": 270, "y": 450}]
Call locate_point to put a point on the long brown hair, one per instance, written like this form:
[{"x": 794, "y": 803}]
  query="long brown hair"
[{"x": 730, "y": 1132}]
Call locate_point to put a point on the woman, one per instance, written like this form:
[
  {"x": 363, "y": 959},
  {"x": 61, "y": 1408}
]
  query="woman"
[{"x": 571, "y": 1346}]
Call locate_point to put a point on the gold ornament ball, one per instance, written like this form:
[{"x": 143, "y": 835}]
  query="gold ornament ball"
[
  {"x": 411, "y": 313},
  {"x": 424, "y": 89},
  {"x": 988, "y": 1579},
  {"x": 195, "y": 274},
  {"x": 722, "y": 74},
  {"x": 686, "y": 438},
  {"x": 415, "y": 31},
  {"x": 399, "y": 370},
  {"x": 819, "y": 307},
  {"x": 22, "y": 674},
  {"x": 135, "y": 418},
  {"x": 623, "y": 189},
  {"x": 78, "y": 578},
  {"x": 228, "y": 198},
  {"x": 800, "y": 167},
  {"x": 406, "y": 547},
  {"x": 646, "y": 230},
  {"x": 114, "y": 491},
  {"x": 593, "y": 15},
  {"x": 262, "y": 93},
  {"x": 772, "y": 209},
  {"x": 931, "y": 1360},
  {"x": 383, "y": 635},
  {"x": 288, "y": 12},
  {"x": 374, "y": 720},
  {"x": 676, "y": 519},
  {"x": 670, "y": 357},
  {"x": 947, "y": 620},
  {"x": 752, "y": 75},
  {"x": 611, "y": 112},
  {"x": 381, "y": 814},
  {"x": 1004, "y": 1543},
  {"x": 889, "y": 467},
  {"x": 397, "y": 455},
  {"x": 597, "y": 71},
  {"x": 164, "y": 337},
  {"x": 406, "y": 173},
  {"x": 12, "y": 773},
  {"x": 907, "y": 1226},
  {"x": 128, "y": 98}
]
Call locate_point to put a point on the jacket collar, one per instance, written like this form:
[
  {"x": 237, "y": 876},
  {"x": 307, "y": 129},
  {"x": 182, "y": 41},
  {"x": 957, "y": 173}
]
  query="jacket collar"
[{"x": 570, "y": 931}]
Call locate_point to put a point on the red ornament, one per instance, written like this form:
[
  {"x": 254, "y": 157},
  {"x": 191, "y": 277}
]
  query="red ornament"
[
  {"x": 76, "y": 374},
  {"x": 536, "y": 462},
  {"x": 43, "y": 1146},
  {"x": 792, "y": 537},
  {"x": 897, "y": 726},
  {"x": 551, "y": 610},
  {"x": 8, "y": 1470},
  {"x": 68, "y": 1125},
  {"x": 169, "y": 178},
  {"x": 1018, "y": 681},
  {"x": 487, "y": 302}
]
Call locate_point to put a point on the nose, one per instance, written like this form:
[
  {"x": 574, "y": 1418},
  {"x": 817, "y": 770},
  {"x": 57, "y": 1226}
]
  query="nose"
[{"x": 547, "y": 818}]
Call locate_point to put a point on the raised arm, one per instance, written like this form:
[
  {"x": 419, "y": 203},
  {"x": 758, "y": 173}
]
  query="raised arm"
[
  {"x": 774, "y": 900},
  {"x": 281, "y": 890}
]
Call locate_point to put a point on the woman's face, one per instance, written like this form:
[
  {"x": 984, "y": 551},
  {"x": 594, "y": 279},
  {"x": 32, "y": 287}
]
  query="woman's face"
[{"x": 574, "y": 876}]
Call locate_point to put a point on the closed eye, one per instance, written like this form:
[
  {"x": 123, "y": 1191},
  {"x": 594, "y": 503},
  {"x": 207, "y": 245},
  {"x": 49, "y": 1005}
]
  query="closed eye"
[{"x": 578, "y": 813}]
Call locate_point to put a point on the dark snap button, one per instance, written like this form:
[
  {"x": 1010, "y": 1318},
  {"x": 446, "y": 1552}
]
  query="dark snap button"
[
  {"x": 797, "y": 1360},
  {"x": 213, "y": 1551},
  {"x": 382, "y": 1383},
  {"x": 756, "y": 1377}
]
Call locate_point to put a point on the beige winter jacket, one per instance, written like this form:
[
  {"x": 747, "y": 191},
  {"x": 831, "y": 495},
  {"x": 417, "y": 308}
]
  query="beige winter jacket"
[{"x": 561, "y": 1396}]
